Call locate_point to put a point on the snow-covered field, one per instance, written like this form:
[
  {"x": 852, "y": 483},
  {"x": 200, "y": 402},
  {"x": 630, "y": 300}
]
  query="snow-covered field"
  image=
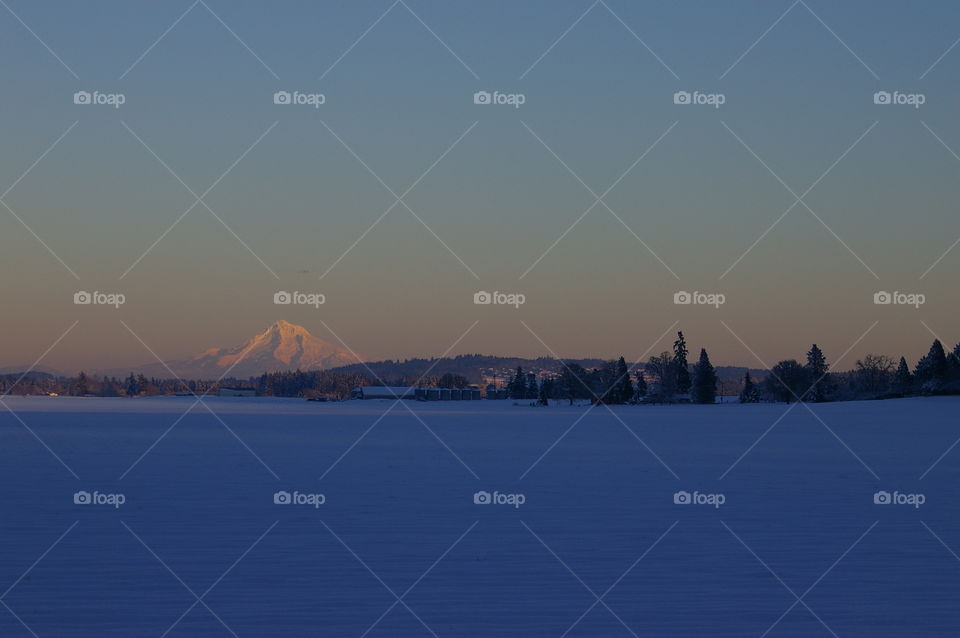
[{"x": 585, "y": 537}]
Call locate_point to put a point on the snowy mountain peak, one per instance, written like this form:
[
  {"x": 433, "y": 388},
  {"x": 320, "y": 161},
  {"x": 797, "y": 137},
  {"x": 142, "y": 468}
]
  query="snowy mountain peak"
[{"x": 282, "y": 346}]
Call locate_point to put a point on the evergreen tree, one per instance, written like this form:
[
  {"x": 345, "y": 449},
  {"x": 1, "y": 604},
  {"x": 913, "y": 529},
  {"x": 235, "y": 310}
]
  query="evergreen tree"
[
  {"x": 625, "y": 391},
  {"x": 546, "y": 392},
  {"x": 83, "y": 386},
  {"x": 704, "y": 380},
  {"x": 817, "y": 369},
  {"x": 902, "y": 379},
  {"x": 680, "y": 362},
  {"x": 932, "y": 370},
  {"x": 133, "y": 386},
  {"x": 749, "y": 393},
  {"x": 517, "y": 388},
  {"x": 641, "y": 391}
]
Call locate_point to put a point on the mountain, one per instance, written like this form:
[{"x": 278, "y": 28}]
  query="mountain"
[{"x": 282, "y": 346}]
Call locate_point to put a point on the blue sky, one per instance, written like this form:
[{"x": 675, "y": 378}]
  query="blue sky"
[{"x": 798, "y": 98}]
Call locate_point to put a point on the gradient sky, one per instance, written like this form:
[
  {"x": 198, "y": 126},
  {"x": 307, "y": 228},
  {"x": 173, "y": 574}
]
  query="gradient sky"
[{"x": 800, "y": 98}]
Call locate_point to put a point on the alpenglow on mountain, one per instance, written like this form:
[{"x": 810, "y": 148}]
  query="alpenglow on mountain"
[{"x": 282, "y": 346}]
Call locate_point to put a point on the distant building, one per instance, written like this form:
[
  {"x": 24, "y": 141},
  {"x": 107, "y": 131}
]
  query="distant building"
[
  {"x": 238, "y": 392},
  {"x": 383, "y": 392}
]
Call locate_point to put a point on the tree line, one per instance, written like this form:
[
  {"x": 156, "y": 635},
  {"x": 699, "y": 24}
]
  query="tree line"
[
  {"x": 664, "y": 378},
  {"x": 670, "y": 378}
]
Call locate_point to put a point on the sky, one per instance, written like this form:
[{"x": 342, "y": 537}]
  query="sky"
[{"x": 597, "y": 199}]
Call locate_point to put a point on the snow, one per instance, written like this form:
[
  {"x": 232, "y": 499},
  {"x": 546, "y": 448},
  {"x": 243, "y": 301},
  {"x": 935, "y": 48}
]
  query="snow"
[{"x": 400, "y": 492}]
